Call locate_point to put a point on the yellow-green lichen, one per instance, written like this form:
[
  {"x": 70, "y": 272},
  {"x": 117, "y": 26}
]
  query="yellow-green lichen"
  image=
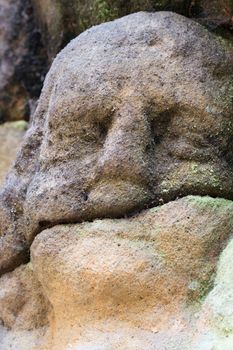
[
  {"x": 209, "y": 202},
  {"x": 199, "y": 289},
  {"x": 20, "y": 125}
]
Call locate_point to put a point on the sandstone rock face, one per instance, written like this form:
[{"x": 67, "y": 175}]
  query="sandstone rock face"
[
  {"x": 22, "y": 303},
  {"x": 126, "y": 283},
  {"x": 11, "y": 136},
  {"x": 22, "y": 62},
  {"x": 25, "y": 60},
  {"x": 131, "y": 283},
  {"x": 216, "y": 321},
  {"x": 137, "y": 119},
  {"x": 142, "y": 117},
  {"x": 23, "y": 310}
]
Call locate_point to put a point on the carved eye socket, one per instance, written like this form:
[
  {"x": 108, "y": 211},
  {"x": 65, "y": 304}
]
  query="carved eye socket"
[
  {"x": 160, "y": 123},
  {"x": 160, "y": 126},
  {"x": 97, "y": 131},
  {"x": 102, "y": 128}
]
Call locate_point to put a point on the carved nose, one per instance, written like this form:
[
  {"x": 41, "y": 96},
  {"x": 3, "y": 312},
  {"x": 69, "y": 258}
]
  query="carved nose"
[{"x": 124, "y": 152}]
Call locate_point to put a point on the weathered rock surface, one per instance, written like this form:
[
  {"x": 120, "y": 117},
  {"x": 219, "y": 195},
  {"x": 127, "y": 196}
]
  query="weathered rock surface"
[
  {"x": 215, "y": 329},
  {"x": 23, "y": 310},
  {"x": 22, "y": 303},
  {"x": 161, "y": 253},
  {"x": 23, "y": 61},
  {"x": 131, "y": 283},
  {"x": 138, "y": 119},
  {"x": 11, "y": 136},
  {"x": 142, "y": 117},
  {"x": 121, "y": 283}
]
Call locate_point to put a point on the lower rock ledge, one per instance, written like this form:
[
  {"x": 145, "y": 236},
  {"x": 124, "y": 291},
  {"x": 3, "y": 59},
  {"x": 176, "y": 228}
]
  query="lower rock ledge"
[{"x": 137, "y": 283}]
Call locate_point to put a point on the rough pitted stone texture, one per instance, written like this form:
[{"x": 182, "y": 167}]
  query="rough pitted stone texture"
[
  {"x": 22, "y": 303},
  {"x": 22, "y": 340},
  {"x": 131, "y": 278},
  {"x": 24, "y": 60},
  {"x": 24, "y": 310},
  {"x": 141, "y": 117},
  {"x": 11, "y": 136},
  {"x": 215, "y": 329},
  {"x": 122, "y": 283}
]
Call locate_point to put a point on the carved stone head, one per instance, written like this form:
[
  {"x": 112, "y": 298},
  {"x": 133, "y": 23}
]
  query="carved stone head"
[{"x": 133, "y": 113}]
